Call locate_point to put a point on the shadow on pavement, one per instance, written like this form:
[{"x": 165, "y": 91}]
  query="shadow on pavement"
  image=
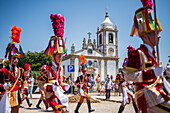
[
  {"x": 47, "y": 111},
  {"x": 39, "y": 109}
]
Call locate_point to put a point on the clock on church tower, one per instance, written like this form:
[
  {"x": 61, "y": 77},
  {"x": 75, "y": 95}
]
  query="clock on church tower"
[{"x": 107, "y": 38}]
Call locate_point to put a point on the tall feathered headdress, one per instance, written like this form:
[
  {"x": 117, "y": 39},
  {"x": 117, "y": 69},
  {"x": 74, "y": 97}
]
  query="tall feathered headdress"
[
  {"x": 143, "y": 21},
  {"x": 27, "y": 68},
  {"x": 56, "y": 43},
  {"x": 83, "y": 66},
  {"x": 14, "y": 48}
]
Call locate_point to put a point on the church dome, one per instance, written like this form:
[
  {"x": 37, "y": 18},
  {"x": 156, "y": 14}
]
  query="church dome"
[{"x": 106, "y": 23}]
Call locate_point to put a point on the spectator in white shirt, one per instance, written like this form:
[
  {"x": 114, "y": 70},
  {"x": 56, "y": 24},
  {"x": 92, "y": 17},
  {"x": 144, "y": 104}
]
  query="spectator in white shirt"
[
  {"x": 102, "y": 88},
  {"x": 109, "y": 86},
  {"x": 30, "y": 86}
]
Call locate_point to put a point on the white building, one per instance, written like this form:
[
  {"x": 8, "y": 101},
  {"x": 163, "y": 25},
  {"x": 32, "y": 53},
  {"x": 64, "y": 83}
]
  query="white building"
[{"x": 101, "y": 58}]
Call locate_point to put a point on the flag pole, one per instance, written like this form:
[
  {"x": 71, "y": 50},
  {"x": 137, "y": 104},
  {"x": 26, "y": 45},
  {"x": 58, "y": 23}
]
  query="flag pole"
[{"x": 156, "y": 33}]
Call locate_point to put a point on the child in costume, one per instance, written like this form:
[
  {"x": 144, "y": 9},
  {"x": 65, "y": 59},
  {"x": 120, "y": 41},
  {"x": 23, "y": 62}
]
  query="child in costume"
[
  {"x": 52, "y": 74},
  {"x": 82, "y": 83},
  {"x": 12, "y": 75},
  {"x": 40, "y": 82},
  {"x": 142, "y": 67},
  {"x": 25, "y": 85},
  {"x": 127, "y": 93}
]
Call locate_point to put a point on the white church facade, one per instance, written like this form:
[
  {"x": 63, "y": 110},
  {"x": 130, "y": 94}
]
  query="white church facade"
[{"x": 101, "y": 55}]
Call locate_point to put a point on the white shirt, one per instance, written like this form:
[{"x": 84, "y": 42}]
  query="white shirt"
[
  {"x": 32, "y": 81},
  {"x": 130, "y": 84},
  {"x": 150, "y": 50},
  {"x": 16, "y": 70},
  {"x": 54, "y": 64},
  {"x": 109, "y": 85},
  {"x": 102, "y": 87}
]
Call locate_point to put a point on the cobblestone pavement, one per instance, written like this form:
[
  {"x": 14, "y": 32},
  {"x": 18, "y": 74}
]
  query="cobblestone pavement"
[{"x": 102, "y": 107}]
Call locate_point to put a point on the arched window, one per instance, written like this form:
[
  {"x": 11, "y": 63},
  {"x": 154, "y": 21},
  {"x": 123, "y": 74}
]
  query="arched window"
[
  {"x": 90, "y": 63},
  {"x": 110, "y": 38},
  {"x": 95, "y": 63},
  {"x": 100, "y": 39}
]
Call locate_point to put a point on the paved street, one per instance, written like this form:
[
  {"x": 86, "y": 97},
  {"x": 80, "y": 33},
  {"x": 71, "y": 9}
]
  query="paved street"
[{"x": 104, "y": 106}]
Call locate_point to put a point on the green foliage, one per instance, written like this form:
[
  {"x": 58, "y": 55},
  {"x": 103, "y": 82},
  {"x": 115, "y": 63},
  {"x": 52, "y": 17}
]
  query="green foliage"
[
  {"x": 6, "y": 63},
  {"x": 34, "y": 87},
  {"x": 34, "y": 59}
]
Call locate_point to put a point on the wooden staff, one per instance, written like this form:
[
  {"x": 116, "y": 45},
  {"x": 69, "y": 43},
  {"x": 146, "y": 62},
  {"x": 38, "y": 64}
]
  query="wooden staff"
[{"x": 156, "y": 33}]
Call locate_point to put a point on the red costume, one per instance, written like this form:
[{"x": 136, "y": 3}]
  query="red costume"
[
  {"x": 140, "y": 69},
  {"x": 49, "y": 76},
  {"x": 83, "y": 79},
  {"x": 25, "y": 85},
  {"x": 82, "y": 83},
  {"x": 11, "y": 76}
]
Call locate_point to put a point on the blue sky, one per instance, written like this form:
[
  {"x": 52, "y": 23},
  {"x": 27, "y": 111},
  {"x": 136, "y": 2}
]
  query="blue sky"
[{"x": 82, "y": 16}]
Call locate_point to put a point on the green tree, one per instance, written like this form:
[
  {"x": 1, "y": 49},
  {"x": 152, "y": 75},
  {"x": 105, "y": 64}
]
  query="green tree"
[
  {"x": 34, "y": 59},
  {"x": 6, "y": 63}
]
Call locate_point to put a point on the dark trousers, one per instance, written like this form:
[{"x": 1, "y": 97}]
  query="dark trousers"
[
  {"x": 70, "y": 90},
  {"x": 108, "y": 93}
]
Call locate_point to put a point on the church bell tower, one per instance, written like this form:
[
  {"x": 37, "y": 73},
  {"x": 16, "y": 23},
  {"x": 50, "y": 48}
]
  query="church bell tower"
[{"x": 107, "y": 38}]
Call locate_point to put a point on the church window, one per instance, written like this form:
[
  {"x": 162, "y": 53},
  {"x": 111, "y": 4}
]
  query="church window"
[
  {"x": 100, "y": 39},
  {"x": 89, "y": 62},
  {"x": 110, "y": 38},
  {"x": 95, "y": 63},
  {"x": 90, "y": 51}
]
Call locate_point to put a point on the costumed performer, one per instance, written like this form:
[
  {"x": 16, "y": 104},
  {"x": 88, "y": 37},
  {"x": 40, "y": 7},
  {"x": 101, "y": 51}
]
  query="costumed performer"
[
  {"x": 82, "y": 84},
  {"x": 40, "y": 82},
  {"x": 25, "y": 85},
  {"x": 12, "y": 75},
  {"x": 142, "y": 67},
  {"x": 127, "y": 93},
  {"x": 53, "y": 72}
]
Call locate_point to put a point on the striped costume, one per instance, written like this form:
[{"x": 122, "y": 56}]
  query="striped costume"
[
  {"x": 140, "y": 69},
  {"x": 127, "y": 94},
  {"x": 51, "y": 79},
  {"x": 13, "y": 78}
]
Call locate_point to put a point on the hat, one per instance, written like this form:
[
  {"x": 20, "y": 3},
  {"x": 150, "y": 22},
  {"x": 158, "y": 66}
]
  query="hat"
[
  {"x": 143, "y": 21},
  {"x": 14, "y": 48},
  {"x": 27, "y": 68},
  {"x": 83, "y": 66},
  {"x": 56, "y": 43}
]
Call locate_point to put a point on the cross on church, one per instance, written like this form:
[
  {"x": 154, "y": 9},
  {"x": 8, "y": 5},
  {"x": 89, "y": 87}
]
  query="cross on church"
[
  {"x": 106, "y": 8},
  {"x": 89, "y": 34}
]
